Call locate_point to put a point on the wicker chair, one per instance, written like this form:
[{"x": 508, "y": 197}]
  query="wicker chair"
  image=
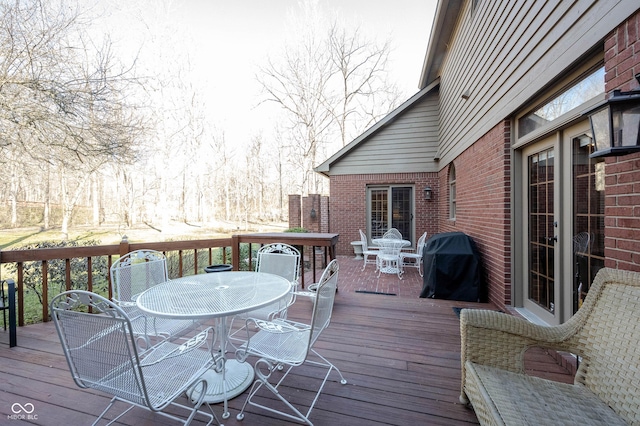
[
  {"x": 100, "y": 348},
  {"x": 132, "y": 274},
  {"x": 284, "y": 342},
  {"x": 604, "y": 334}
]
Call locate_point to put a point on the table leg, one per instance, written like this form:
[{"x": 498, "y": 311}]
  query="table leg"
[{"x": 233, "y": 379}]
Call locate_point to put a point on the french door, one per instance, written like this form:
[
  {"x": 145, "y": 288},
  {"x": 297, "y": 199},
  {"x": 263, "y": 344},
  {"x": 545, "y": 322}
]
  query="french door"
[
  {"x": 390, "y": 207},
  {"x": 563, "y": 217}
]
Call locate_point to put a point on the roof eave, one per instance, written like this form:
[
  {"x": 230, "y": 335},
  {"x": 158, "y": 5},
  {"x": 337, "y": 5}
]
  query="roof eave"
[
  {"x": 324, "y": 167},
  {"x": 443, "y": 25}
]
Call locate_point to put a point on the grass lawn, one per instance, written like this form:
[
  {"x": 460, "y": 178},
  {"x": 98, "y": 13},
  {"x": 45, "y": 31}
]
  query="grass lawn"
[{"x": 112, "y": 234}]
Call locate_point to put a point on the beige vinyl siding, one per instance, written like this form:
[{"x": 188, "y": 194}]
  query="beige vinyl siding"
[
  {"x": 507, "y": 52},
  {"x": 407, "y": 144}
]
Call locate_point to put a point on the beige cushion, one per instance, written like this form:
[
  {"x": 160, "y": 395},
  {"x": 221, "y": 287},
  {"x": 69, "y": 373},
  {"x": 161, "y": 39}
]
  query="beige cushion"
[{"x": 502, "y": 397}]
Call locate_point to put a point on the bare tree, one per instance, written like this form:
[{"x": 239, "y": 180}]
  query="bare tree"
[
  {"x": 365, "y": 94},
  {"x": 330, "y": 85},
  {"x": 63, "y": 98}
]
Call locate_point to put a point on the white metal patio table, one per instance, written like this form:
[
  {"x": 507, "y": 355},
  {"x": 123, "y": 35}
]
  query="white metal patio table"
[{"x": 217, "y": 296}]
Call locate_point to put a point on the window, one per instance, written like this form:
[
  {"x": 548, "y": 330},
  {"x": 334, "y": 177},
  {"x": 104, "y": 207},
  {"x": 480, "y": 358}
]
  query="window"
[
  {"x": 584, "y": 90},
  {"x": 452, "y": 192}
]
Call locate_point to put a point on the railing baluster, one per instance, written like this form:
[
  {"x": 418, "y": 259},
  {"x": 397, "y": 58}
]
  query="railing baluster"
[
  {"x": 89, "y": 274},
  {"x": 67, "y": 274},
  {"x": 195, "y": 261},
  {"x": 11, "y": 288},
  {"x": 45, "y": 291},
  {"x": 20, "y": 293},
  {"x": 109, "y": 283}
]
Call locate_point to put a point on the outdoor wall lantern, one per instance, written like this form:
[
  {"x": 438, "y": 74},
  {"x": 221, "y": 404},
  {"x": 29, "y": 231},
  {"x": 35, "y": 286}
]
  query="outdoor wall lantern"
[
  {"x": 313, "y": 213},
  {"x": 428, "y": 193},
  {"x": 615, "y": 124}
]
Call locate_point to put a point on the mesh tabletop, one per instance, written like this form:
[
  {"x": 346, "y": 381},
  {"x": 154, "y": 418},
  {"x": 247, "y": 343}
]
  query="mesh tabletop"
[{"x": 213, "y": 295}]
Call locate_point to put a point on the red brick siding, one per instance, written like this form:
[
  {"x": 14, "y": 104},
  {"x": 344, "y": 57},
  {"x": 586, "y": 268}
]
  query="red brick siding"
[
  {"x": 622, "y": 56},
  {"x": 622, "y": 182},
  {"x": 483, "y": 206},
  {"x": 348, "y": 204},
  {"x": 295, "y": 205},
  {"x": 311, "y": 202}
]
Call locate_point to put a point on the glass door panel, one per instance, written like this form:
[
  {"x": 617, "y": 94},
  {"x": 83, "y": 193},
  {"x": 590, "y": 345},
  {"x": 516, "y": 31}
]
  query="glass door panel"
[
  {"x": 401, "y": 215},
  {"x": 378, "y": 211},
  {"x": 542, "y": 237},
  {"x": 588, "y": 213},
  {"x": 398, "y": 213}
]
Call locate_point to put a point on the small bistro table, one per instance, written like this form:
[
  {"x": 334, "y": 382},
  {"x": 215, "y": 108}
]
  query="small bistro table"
[{"x": 216, "y": 296}]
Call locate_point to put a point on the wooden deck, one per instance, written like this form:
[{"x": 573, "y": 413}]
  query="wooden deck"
[{"x": 399, "y": 353}]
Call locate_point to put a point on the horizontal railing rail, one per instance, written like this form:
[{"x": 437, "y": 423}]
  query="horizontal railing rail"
[{"x": 53, "y": 266}]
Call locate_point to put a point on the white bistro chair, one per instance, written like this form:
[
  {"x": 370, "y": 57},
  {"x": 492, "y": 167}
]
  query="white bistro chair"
[
  {"x": 134, "y": 273},
  {"x": 367, "y": 251},
  {"x": 284, "y": 342},
  {"x": 414, "y": 260},
  {"x": 99, "y": 344},
  {"x": 278, "y": 259}
]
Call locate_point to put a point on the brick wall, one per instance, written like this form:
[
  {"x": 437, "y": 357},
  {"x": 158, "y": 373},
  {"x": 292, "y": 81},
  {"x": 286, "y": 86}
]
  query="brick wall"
[
  {"x": 348, "y": 204},
  {"x": 622, "y": 181},
  {"x": 483, "y": 206},
  {"x": 295, "y": 206}
]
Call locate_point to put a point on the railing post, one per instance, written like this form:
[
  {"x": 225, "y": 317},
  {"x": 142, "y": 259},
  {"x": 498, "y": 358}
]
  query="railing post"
[
  {"x": 235, "y": 252},
  {"x": 11, "y": 288},
  {"x": 124, "y": 245}
]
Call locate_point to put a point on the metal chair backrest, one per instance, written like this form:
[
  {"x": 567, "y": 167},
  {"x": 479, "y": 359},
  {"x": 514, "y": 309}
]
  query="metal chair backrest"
[
  {"x": 393, "y": 233},
  {"x": 421, "y": 241},
  {"x": 323, "y": 303},
  {"x": 390, "y": 247},
  {"x": 137, "y": 271},
  {"x": 99, "y": 346},
  {"x": 363, "y": 239},
  {"x": 581, "y": 243},
  {"x": 279, "y": 259}
]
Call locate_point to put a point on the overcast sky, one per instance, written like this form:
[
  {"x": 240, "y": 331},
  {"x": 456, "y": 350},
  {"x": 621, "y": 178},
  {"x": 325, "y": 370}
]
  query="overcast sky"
[
  {"x": 229, "y": 38},
  {"x": 239, "y": 34}
]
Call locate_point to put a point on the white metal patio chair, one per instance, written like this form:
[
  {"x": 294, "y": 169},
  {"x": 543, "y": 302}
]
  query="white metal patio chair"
[
  {"x": 389, "y": 258},
  {"x": 580, "y": 250},
  {"x": 134, "y": 273},
  {"x": 290, "y": 343},
  {"x": 367, "y": 251},
  {"x": 100, "y": 347},
  {"x": 581, "y": 243},
  {"x": 279, "y": 259},
  {"x": 414, "y": 260}
]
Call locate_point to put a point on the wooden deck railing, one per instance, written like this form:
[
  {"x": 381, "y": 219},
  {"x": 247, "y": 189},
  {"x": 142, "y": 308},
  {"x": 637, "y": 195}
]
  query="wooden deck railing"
[{"x": 186, "y": 257}]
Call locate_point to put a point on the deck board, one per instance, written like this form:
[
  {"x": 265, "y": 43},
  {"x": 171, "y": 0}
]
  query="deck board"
[{"x": 400, "y": 355}]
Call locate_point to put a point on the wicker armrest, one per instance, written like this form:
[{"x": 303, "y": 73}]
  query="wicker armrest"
[{"x": 500, "y": 340}]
